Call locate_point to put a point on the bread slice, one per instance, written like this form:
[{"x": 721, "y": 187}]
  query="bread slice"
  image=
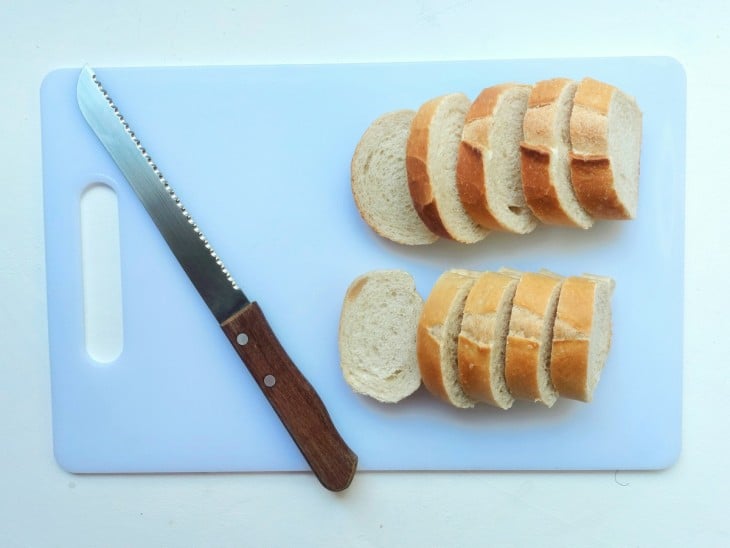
[
  {"x": 483, "y": 338},
  {"x": 488, "y": 168},
  {"x": 582, "y": 336},
  {"x": 437, "y": 337},
  {"x": 529, "y": 341},
  {"x": 380, "y": 184},
  {"x": 605, "y": 133},
  {"x": 377, "y": 336},
  {"x": 544, "y": 152},
  {"x": 431, "y": 153}
]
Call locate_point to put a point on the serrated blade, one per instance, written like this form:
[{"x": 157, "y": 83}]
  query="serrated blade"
[{"x": 192, "y": 250}]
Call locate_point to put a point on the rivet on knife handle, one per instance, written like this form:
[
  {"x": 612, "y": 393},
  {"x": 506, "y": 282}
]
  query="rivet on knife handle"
[{"x": 292, "y": 397}]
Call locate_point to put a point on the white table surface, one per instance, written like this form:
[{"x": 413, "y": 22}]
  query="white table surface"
[{"x": 41, "y": 505}]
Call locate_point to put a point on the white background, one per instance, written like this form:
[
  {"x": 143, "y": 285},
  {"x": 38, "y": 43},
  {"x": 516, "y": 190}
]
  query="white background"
[{"x": 40, "y": 505}]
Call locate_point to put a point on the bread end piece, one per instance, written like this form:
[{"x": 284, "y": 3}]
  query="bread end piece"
[
  {"x": 377, "y": 335},
  {"x": 605, "y": 133}
]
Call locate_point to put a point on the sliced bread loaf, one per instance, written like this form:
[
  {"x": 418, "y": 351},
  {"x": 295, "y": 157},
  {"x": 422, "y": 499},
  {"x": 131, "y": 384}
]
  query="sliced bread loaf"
[
  {"x": 605, "y": 134},
  {"x": 377, "y": 336},
  {"x": 544, "y": 151},
  {"x": 529, "y": 341},
  {"x": 488, "y": 168},
  {"x": 483, "y": 338},
  {"x": 582, "y": 336},
  {"x": 437, "y": 336},
  {"x": 431, "y": 155},
  {"x": 380, "y": 184}
]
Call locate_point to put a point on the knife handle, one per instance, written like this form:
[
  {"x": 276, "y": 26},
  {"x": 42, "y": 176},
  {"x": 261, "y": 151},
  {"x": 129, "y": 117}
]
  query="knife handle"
[{"x": 292, "y": 397}]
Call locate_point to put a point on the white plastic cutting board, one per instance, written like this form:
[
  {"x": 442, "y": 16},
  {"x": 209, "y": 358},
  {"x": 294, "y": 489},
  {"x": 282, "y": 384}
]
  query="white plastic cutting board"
[{"x": 260, "y": 156}]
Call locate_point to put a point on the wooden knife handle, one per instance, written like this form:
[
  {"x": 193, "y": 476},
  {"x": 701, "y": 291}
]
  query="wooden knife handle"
[{"x": 292, "y": 397}]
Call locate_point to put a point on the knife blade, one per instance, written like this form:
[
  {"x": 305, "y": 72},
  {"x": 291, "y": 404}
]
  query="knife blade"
[{"x": 292, "y": 397}]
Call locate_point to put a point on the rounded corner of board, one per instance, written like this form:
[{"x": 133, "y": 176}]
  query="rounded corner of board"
[
  {"x": 671, "y": 459},
  {"x": 51, "y": 78},
  {"x": 676, "y": 65},
  {"x": 65, "y": 462}
]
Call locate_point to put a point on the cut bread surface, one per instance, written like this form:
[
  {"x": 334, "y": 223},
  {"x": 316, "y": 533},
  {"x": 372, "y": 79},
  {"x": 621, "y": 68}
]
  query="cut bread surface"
[
  {"x": 605, "y": 133},
  {"x": 377, "y": 335},
  {"x": 488, "y": 170},
  {"x": 380, "y": 183},
  {"x": 545, "y": 155},
  {"x": 582, "y": 335},
  {"x": 529, "y": 342},
  {"x": 431, "y": 158},
  {"x": 483, "y": 338},
  {"x": 437, "y": 336}
]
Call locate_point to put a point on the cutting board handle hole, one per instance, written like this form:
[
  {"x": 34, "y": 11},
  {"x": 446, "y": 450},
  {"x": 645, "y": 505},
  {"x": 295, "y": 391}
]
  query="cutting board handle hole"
[{"x": 101, "y": 273}]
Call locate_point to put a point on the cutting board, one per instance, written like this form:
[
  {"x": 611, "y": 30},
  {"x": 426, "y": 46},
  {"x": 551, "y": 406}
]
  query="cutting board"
[{"x": 260, "y": 156}]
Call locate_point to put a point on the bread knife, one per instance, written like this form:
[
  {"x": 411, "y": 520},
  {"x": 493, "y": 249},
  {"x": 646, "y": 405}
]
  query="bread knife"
[{"x": 296, "y": 403}]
